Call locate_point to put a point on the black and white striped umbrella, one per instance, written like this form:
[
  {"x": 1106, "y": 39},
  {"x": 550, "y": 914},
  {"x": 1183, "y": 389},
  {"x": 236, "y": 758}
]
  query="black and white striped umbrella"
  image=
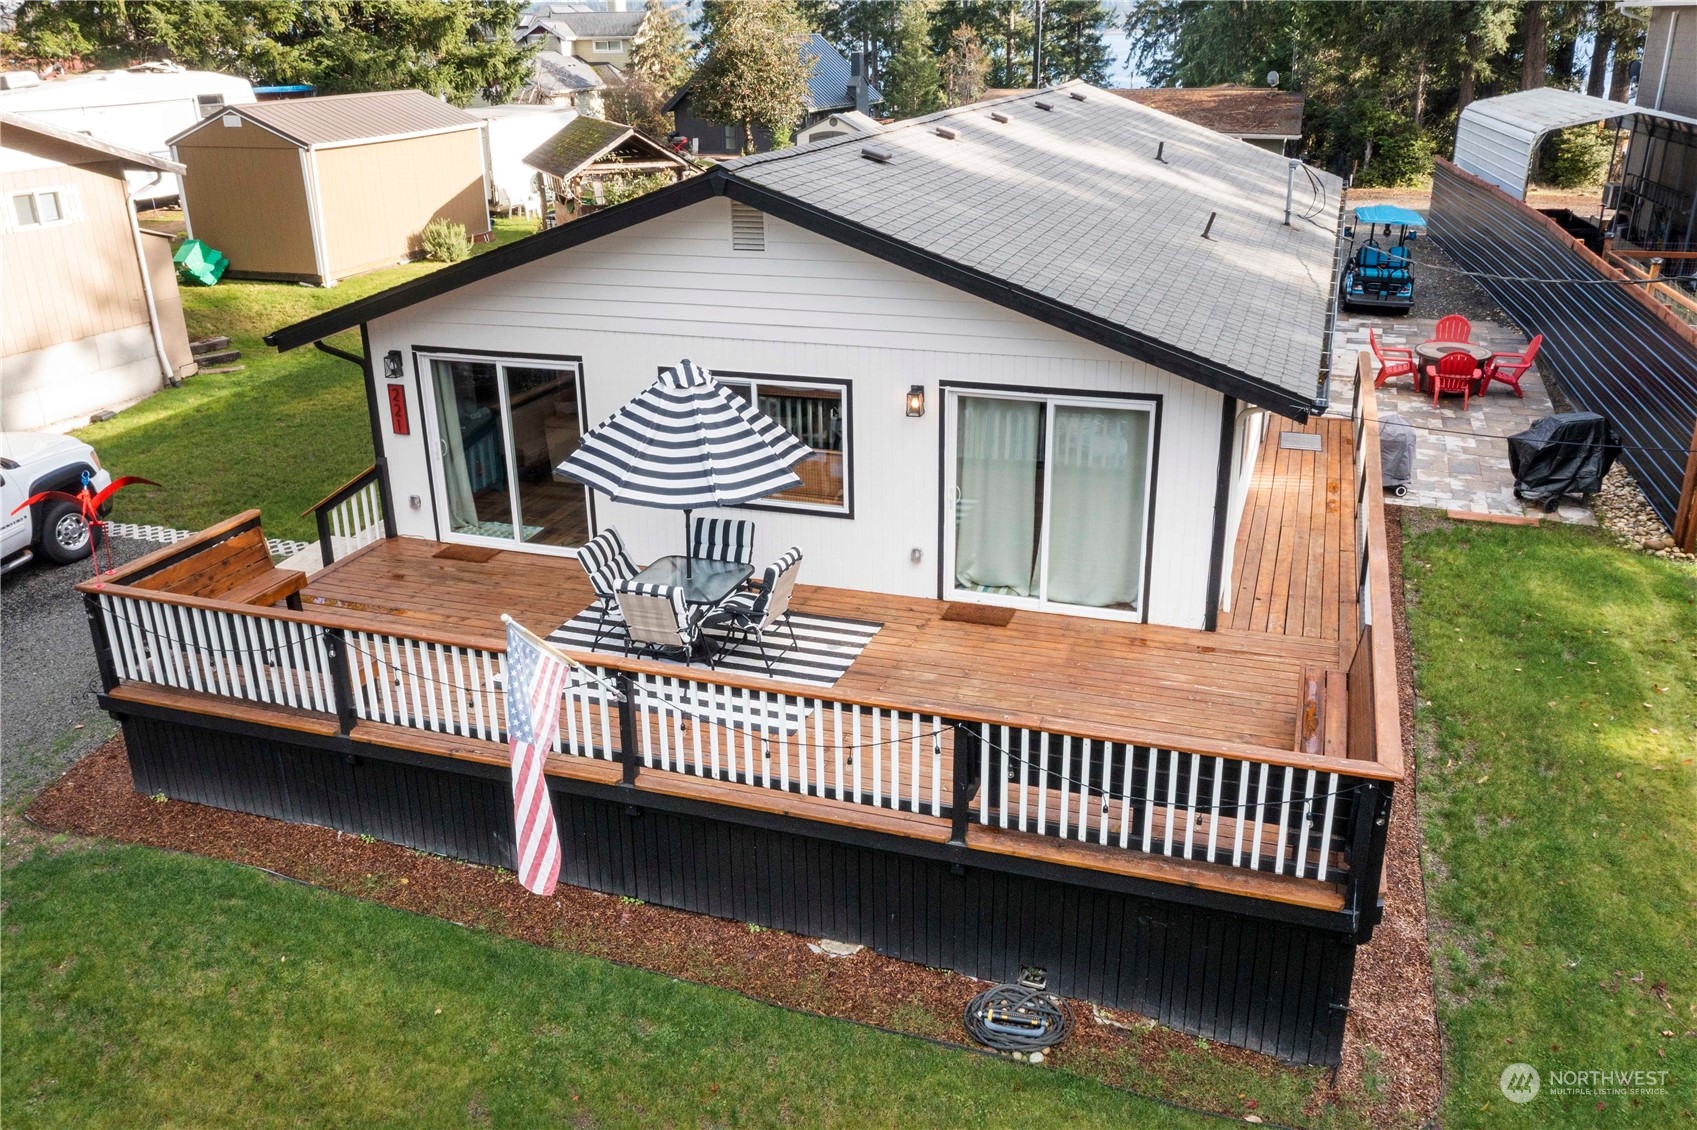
[{"x": 685, "y": 442}]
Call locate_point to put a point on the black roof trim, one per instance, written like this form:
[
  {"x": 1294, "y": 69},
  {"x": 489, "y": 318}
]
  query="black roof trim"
[
  {"x": 1158, "y": 353},
  {"x": 516, "y": 254},
  {"x": 720, "y": 182}
]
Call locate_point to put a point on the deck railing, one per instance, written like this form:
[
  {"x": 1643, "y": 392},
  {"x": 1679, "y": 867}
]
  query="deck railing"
[
  {"x": 1242, "y": 807},
  {"x": 354, "y": 515}
]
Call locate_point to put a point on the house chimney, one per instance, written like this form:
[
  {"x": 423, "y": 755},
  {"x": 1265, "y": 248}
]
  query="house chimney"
[{"x": 857, "y": 81}]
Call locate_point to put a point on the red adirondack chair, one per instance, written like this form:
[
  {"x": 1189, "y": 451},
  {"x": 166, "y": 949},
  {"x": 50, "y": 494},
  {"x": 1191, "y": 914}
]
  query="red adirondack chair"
[
  {"x": 1453, "y": 327},
  {"x": 1456, "y": 372},
  {"x": 1394, "y": 361},
  {"x": 1510, "y": 367}
]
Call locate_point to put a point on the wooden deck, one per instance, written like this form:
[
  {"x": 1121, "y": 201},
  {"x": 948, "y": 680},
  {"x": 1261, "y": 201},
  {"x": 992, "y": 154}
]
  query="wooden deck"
[{"x": 1294, "y": 570}]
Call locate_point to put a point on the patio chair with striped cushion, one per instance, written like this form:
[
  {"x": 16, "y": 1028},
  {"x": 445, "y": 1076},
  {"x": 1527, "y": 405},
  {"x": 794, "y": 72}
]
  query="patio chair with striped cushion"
[
  {"x": 749, "y": 615},
  {"x": 604, "y": 558},
  {"x": 722, "y": 539},
  {"x": 658, "y": 619}
]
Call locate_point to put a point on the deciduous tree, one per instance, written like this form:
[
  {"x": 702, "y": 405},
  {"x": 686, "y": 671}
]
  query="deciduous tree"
[
  {"x": 966, "y": 66},
  {"x": 757, "y": 71}
]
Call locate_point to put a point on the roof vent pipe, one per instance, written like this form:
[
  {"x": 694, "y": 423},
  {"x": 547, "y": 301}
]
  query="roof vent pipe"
[
  {"x": 1160, "y": 149},
  {"x": 1290, "y": 187},
  {"x": 1209, "y": 226},
  {"x": 996, "y": 117},
  {"x": 872, "y": 153},
  {"x": 945, "y": 133},
  {"x": 1077, "y": 96}
]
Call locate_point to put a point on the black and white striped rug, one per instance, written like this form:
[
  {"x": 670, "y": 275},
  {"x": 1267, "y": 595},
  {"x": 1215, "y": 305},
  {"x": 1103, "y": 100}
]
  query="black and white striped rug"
[{"x": 826, "y": 647}]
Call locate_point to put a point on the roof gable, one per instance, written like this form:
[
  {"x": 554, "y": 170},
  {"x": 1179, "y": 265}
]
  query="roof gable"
[
  {"x": 1060, "y": 213},
  {"x": 585, "y": 141},
  {"x": 55, "y": 143}
]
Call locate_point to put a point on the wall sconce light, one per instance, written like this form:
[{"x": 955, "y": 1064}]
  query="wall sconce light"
[
  {"x": 916, "y": 400},
  {"x": 392, "y": 365}
]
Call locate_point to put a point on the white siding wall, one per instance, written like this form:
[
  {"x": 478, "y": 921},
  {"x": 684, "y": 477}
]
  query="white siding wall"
[{"x": 672, "y": 288}]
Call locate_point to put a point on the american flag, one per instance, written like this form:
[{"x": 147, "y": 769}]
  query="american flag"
[{"x": 535, "y": 679}]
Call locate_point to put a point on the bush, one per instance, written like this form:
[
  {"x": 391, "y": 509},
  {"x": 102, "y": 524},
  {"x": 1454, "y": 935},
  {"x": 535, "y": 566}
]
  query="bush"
[
  {"x": 445, "y": 241},
  {"x": 1575, "y": 158}
]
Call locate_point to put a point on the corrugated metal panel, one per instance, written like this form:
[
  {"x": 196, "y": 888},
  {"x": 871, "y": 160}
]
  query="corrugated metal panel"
[
  {"x": 1610, "y": 353},
  {"x": 341, "y": 118},
  {"x": 1271, "y": 986},
  {"x": 1496, "y": 137}
]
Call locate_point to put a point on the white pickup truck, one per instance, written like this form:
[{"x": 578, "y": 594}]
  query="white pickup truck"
[{"x": 31, "y": 462}]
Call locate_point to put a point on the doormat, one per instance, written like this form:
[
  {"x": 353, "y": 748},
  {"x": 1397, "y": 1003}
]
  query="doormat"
[
  {"x": 825, "y": 646},
  {"x": 475, "y": 553},
  {"x": 991, "y": 615}
]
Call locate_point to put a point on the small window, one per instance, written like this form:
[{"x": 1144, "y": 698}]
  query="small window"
[
  {"x": 209, "y": 104},
  {"x": 748, "y": 228},
  {"x": 37, "y": 209},
  {"x": 817, "y": 413},
  {"x": 608, "y": 46},
  {"x": 731, "y": 143}
]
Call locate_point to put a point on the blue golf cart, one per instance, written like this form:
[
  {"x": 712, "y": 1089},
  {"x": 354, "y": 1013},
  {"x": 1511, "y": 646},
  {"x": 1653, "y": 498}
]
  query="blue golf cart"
[{"x": 1380, "y": 272}]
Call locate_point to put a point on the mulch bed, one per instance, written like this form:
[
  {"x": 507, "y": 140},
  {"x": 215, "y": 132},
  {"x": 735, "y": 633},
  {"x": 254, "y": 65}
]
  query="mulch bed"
[
  {"x": 96, "y": 798},
  {"x": 1393, "y": 1007}
]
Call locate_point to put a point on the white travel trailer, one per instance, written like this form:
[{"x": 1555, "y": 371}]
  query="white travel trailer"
[{"x": 137, "y": 109}]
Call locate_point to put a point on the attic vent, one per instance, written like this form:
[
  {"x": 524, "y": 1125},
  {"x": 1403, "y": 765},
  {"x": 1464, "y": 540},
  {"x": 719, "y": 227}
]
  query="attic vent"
[
  {"x": 995, "y": 117},
  {"x": 946, "y": 134},
  {"x": 1078, "y": 96},
  {"x": 232, "y": 120},
  {"x": 748, "y": 228},
  {"x": 873, "y": 153},
  {"x": 1045, "y": 105}
]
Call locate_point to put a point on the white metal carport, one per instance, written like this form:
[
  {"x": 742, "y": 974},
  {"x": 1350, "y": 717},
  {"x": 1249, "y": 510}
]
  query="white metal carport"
[{"x": 1496, "y": 137}]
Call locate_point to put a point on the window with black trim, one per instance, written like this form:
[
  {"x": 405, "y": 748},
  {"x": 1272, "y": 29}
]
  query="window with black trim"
[{"x": 817, "y": 413}]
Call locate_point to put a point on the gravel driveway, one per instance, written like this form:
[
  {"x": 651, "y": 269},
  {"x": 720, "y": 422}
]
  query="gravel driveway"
[{"x": 48, "y": 675}]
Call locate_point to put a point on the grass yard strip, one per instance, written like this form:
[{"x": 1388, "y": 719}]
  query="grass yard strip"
[
  {"x": 150, "y": 988},
  {"x": 1557, "y": 735},
  {"x": 281, "y": 434}
]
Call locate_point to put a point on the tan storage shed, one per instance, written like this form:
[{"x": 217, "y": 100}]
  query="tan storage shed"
[{"x": 318, "y": 189}]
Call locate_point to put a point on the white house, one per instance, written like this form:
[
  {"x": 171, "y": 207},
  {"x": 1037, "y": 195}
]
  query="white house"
[
  {"x": 510, "y": 133},
  {"x": 138, "y": 109},
  {"x": 1028, "y": 353}
]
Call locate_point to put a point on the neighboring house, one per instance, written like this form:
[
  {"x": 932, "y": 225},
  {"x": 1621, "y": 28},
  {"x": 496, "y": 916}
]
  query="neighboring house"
[
  {"x": 92, "y": 319},
  {"x": 1267, "y": 119},
  {"x": 834, "y": 86},
  {"x": 594, "y": 37},
  {"x": 833, "y": 275},
  {"x": 139, "y": 109},
  {"x": 568, "y": 82},
  {"x": 837, "y": 125},
  {"x": 510, "y": 134},
  {"x": 590, "y": 150},
  {"x": 318, "y": 189},
  {"x": 1668, "y": 78}
]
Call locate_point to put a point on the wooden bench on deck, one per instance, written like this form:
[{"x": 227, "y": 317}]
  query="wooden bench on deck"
[{"x": 228, "y": 562}]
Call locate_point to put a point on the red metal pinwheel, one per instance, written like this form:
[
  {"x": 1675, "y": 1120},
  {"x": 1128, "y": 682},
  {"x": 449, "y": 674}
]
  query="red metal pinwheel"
[{"x": 90, "y": 503}]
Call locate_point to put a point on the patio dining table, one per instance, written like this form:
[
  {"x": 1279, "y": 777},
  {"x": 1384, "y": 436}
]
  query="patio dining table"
[
  {"x": 705, "y": 580},
  {"x": 1431, "y": 352}
]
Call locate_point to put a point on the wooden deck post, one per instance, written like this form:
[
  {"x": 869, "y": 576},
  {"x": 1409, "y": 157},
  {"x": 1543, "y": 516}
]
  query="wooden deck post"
[
  {"x": 627, "y": 728},
  {"x": 1685, "y": 514},
  {"x": 341, "y": 678},
  {"x": 102, "y": 644}
]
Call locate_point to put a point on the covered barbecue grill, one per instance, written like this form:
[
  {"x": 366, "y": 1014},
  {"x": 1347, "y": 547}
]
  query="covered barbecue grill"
[
  {"x": 1396, "y": 453},
  {"x": 1560, "y": 456}
]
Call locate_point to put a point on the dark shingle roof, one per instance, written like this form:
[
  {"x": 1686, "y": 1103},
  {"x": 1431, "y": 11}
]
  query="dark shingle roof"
[
  {"x": 1069, "y": 203},
  {"x": 339, "y": 119},
  {"x": 1240, "y": 111}
]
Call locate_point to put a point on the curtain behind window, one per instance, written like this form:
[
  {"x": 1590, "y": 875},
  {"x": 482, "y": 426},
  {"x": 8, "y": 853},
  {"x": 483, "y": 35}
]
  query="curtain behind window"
[
  {"x": 998, "y": 468},
  {"x": 1098, "y": 465}
]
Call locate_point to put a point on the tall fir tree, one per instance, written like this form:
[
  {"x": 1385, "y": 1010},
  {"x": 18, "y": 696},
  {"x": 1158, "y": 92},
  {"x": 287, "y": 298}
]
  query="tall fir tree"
[
  {"x": 758, "y": 69},
  {"x": 660, "y": 52},
  {"x": 1074, "y": 45},
  {"x": 912, "y": 83}
]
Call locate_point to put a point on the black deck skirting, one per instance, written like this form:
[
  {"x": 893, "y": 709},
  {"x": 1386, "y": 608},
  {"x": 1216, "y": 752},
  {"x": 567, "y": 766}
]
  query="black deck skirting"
[{"x": 1272, "y": 986}]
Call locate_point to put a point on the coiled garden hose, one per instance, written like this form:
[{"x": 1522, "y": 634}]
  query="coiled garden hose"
[{"x": 1012, "y": 1018}]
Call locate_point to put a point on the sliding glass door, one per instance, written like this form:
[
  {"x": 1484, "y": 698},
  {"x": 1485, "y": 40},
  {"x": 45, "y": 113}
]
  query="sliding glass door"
[
  {"x": 501, "y": 429},
  {"x": 1051, "y": 499}
]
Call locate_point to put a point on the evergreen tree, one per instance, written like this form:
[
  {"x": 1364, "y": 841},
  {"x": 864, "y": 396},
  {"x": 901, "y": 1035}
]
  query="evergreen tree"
[
  {"x": 966, "y": 67},
  {"x": 758, "y": 69},
  {"x": 455, "y": 48},
  {"x": 660, "y": 52},
  {"x": 912, "y": 83},
  {"x": 1073, "y": 46}
]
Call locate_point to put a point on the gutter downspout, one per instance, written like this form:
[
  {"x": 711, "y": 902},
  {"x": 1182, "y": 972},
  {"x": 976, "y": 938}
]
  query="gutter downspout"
[
  {"x": 159, "y": 353},
  {"x": 1667, "y": 57}
]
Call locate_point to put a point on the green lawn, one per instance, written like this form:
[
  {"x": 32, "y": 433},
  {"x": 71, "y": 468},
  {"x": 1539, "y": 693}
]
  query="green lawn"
[
  {"x": 1557, "y": 719},
  {"x": 149, "y": 989},
  {"x": 279, "y": 435}
]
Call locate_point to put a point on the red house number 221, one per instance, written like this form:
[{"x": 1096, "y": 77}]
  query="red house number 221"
[{"x": 398, "y": 409}]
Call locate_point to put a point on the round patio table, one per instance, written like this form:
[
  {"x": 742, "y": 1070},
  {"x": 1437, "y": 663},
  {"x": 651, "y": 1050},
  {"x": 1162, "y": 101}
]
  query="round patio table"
[{"x": 1430, "y": 352}]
